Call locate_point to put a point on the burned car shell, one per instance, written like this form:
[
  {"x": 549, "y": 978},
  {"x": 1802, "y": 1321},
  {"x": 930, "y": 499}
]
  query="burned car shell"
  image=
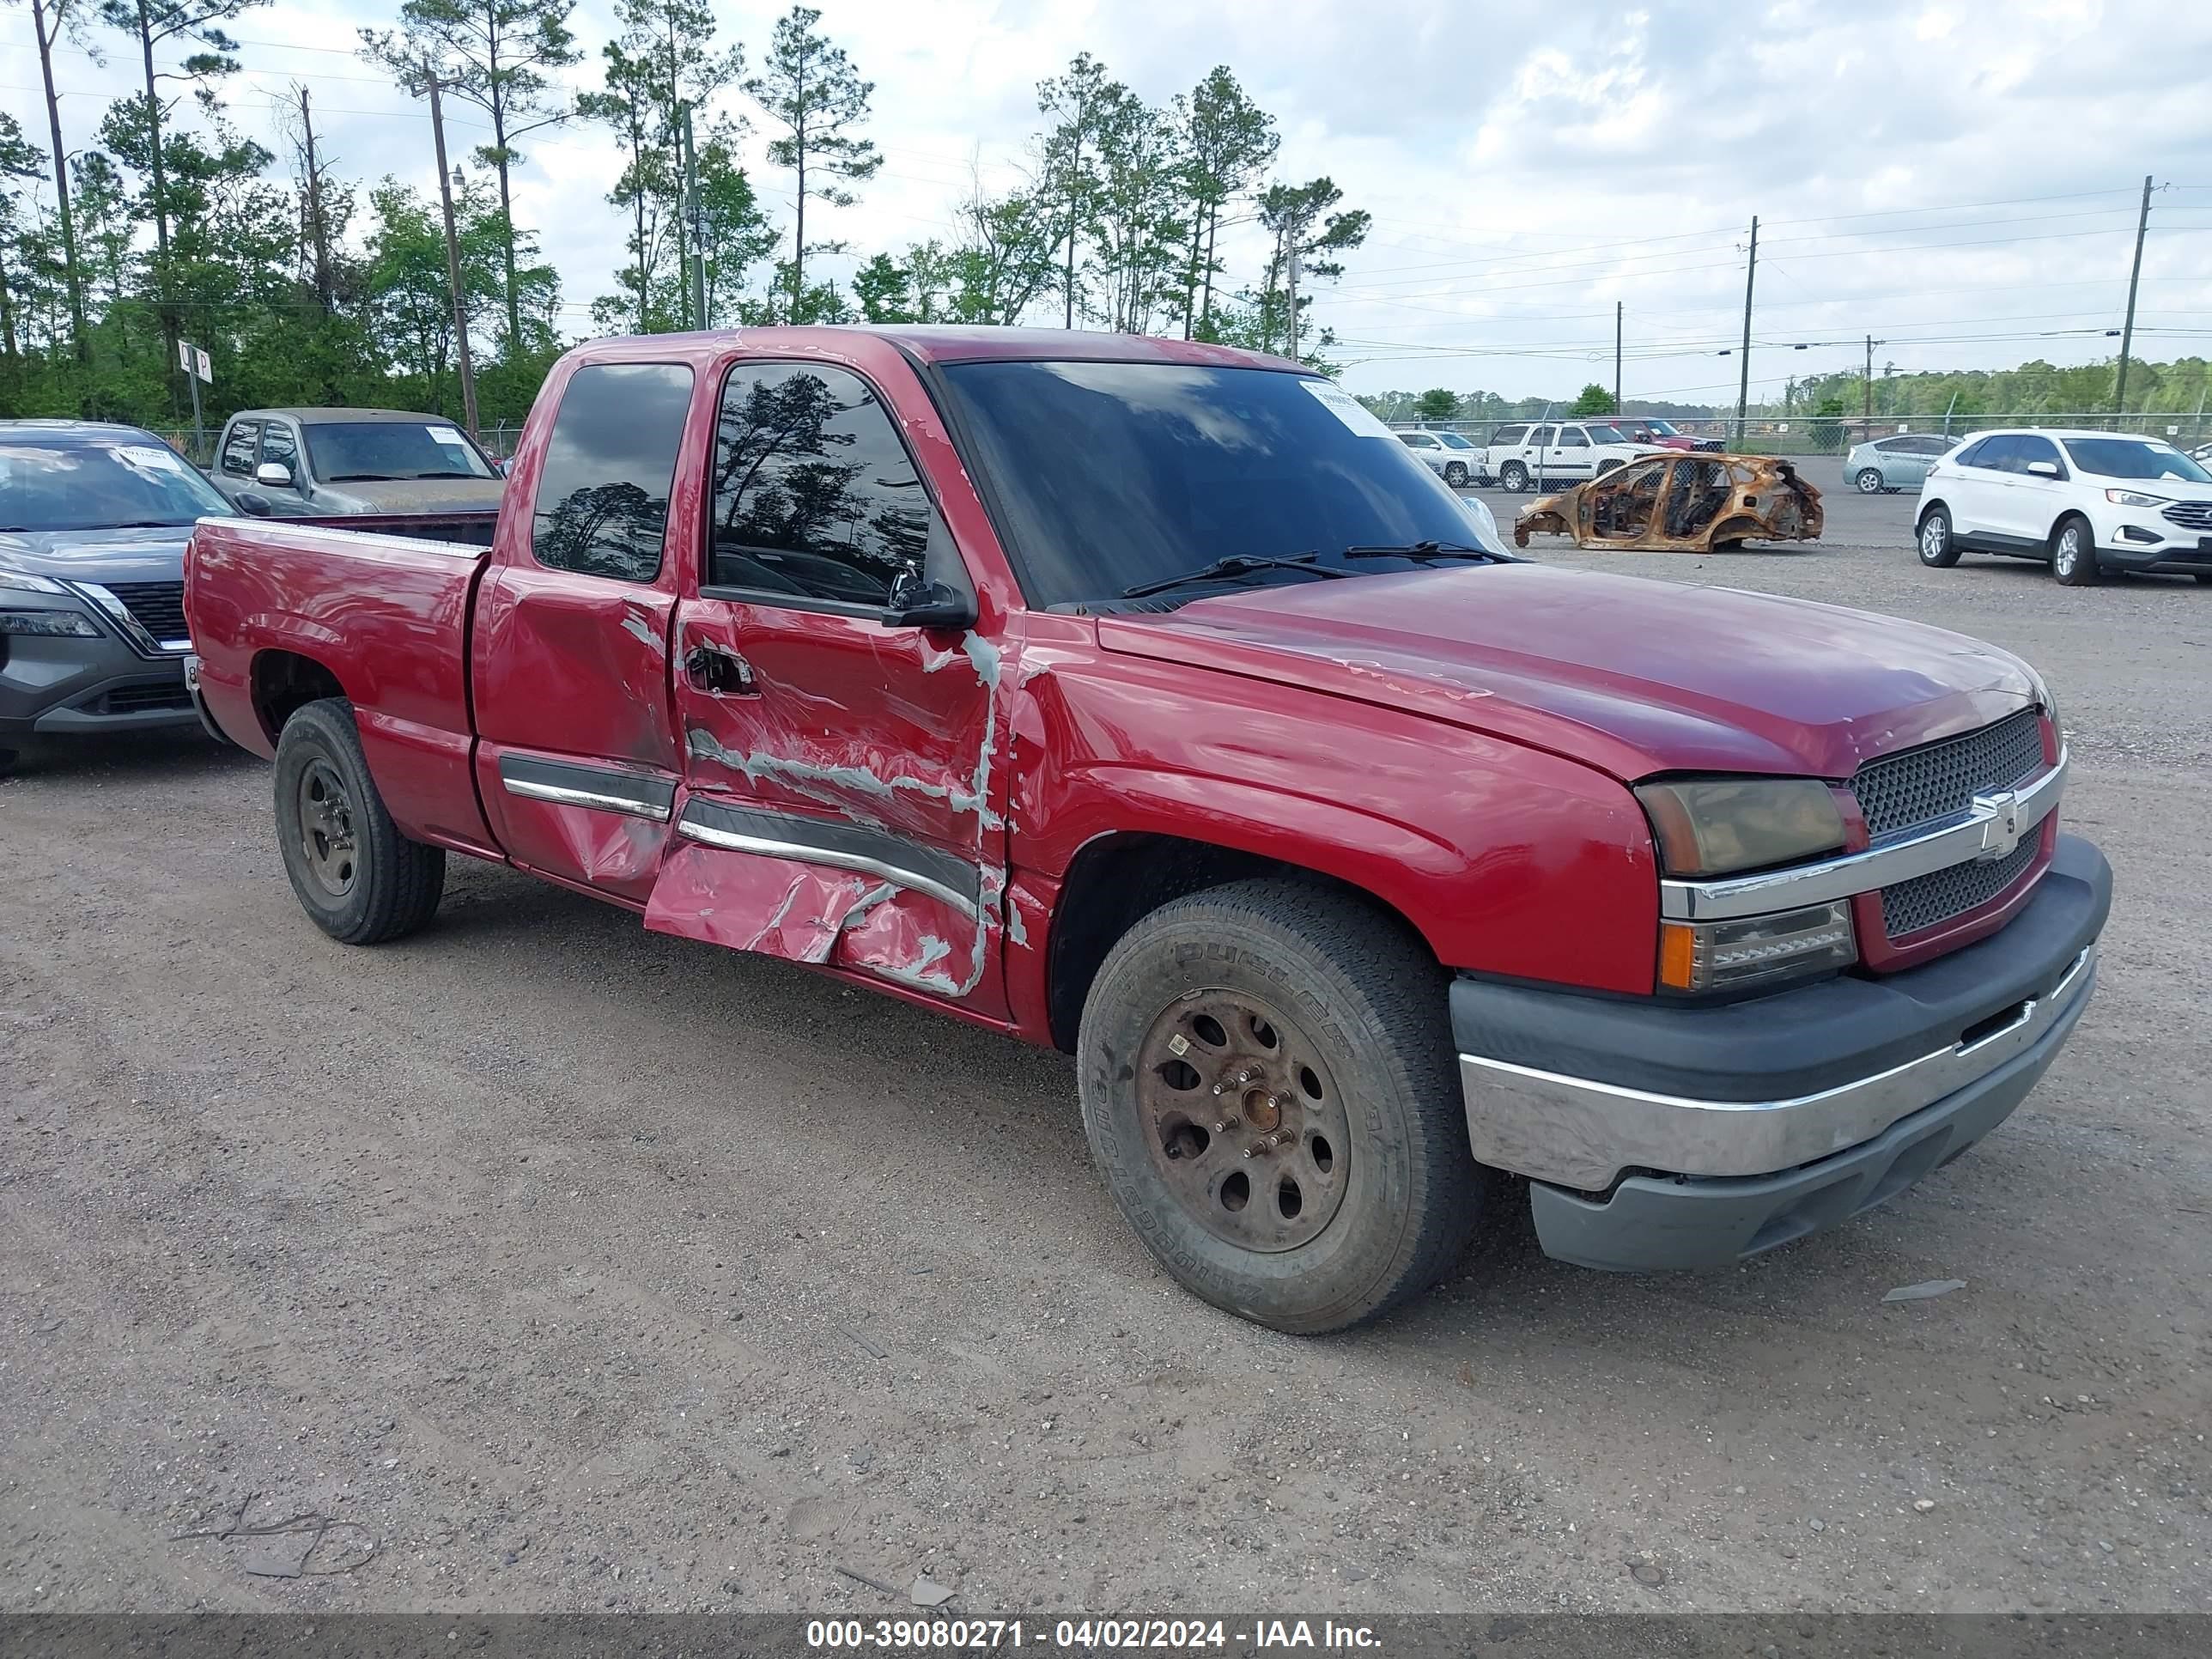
[{"x": 1680, "y": 503}]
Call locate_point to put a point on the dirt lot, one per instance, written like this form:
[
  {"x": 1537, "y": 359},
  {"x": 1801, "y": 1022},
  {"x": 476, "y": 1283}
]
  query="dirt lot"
[{"x": 538, "y": 1262}]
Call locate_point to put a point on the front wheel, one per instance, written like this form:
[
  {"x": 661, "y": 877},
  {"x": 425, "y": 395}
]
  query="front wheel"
[
  {"x": 1869, "y": 481},
  {"x": 1604, "y": 467},
  {"x": 1270, "y": 1090},
  {"x": 1513, "y": 476},
  {"x": 1937, "y": 550},
  {"x": 2074, "y": 554},
  {"x": 1456, "y": 474},
  {"x": 358, "y": 877}
]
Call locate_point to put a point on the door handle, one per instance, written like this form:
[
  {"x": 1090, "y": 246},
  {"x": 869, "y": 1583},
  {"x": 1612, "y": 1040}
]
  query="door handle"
[{"x": 720, "y": 672}]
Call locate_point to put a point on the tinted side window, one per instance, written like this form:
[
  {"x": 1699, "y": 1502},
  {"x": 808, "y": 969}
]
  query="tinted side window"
[
  {"x": 1995, "y": 453},
  {"x": 602, "y": 504},
  {"x": 2034, "y": 449},
  {"x": 1573, "y": 437},
  {"x": 1510, "y": 434},
  {"x": 238, "y": 448},
  {"x": 280, "y": 447},
  {"x": 1930, "y": 446},
  {"x": 1540, "y": 435},
  {"x": 815, "y": 495}
]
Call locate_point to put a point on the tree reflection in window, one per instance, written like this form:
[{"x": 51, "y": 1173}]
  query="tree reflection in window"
[
  {"x": 602, "y": 506},
  {"x": 815, "y": 496}
]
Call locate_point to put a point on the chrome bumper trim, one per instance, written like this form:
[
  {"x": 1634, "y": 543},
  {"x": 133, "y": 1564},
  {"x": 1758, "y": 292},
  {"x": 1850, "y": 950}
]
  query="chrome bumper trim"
[
  {"x": 1581, "y": 1133},
  {"x": 1990, "y": 829}
]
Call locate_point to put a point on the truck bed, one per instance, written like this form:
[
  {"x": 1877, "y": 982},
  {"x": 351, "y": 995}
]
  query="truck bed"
[{"x": 386, "y": 613}]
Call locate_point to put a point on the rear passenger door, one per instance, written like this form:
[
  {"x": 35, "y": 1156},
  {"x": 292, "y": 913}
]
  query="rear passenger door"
[
  {"x": 577, "y": 763},
  {"x": 2034, "y": 501},
  {"x": 1976, "y": 495}
]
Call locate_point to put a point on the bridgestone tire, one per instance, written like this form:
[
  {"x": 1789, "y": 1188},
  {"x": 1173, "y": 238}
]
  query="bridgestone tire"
[
  {"x": 396, "y": 882},
  {"x": 1368, "y": 997}
]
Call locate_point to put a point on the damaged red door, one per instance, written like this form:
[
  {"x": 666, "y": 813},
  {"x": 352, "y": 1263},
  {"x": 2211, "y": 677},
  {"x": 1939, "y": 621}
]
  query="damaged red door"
[
  {"x": 578, "y": 763},
  {"x": 842, "y": 798}
]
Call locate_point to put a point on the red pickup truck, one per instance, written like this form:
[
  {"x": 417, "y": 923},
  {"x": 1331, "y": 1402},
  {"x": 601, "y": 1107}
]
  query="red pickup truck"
[{"x": 1148, "y": 699}]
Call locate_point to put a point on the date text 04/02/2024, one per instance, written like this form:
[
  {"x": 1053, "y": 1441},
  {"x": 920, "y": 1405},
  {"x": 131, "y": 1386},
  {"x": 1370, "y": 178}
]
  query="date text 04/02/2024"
[{"x": 1085, "y": 1635}]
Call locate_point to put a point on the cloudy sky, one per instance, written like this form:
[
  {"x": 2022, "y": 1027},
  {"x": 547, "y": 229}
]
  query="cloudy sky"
[{"x": 1959, "y": 178}]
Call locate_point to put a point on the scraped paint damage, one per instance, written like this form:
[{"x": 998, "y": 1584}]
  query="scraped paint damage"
[{"x": 811, "y": 913}]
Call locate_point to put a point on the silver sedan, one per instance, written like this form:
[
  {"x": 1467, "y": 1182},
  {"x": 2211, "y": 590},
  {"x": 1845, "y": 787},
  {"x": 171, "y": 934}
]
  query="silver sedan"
[{"x": 1887, "y": 464}]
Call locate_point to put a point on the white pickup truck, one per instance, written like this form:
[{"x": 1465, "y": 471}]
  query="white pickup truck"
[{"x": 1550, "y": 453}]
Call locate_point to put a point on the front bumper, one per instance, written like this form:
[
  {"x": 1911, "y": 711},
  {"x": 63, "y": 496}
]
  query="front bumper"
[
  {"x": 2144, "y": 539},
  {"x": 68, "y": 685},
  {"x": 1664, "y": 1135}
]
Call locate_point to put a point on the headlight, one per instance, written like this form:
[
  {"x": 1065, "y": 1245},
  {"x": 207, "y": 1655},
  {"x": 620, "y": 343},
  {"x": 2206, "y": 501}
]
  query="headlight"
[
  {"x": 24, "y": 582},
  {"x": 69, "y": 625},
  {"x": 1730, "y": 955},
  {"x": 2049, "y": 704},
  {"x": 1710, "y": 826},
  {"x": 2134, "y": 498}
]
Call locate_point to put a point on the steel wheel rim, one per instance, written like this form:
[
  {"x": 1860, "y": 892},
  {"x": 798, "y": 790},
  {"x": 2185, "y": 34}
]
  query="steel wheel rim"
[
  {"x": 1869, "y": 482},
  {"x": 1932, "y": 539},
  {"x": 324, "y": 818},
  {"x": 1243, "y": 1120}
]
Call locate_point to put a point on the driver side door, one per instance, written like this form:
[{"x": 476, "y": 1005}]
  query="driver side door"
[{"x": 843, "y": 801}]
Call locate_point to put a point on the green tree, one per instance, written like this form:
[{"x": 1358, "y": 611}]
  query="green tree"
[
  {"x": 1224, "y": 143},
  {"x": 1078, "y": 102},
  {"x": 1136, "y": 216},
  {"x": 1437, "y": 403},
  {"x": 646, "y": 186},
  {"x": 809, "y": 88},
  {"x": 51, "y": 21},
  {"x": 20, "y": 163},
  {"x": 885, "y": 291},
  {"x": 500, "y": 56},
  {"x": 1300, "y": 218},
  {"x": 1003, "y": 260},
  {"x": 1593, "y": 399},
  {"x": 734, "y": 234}
]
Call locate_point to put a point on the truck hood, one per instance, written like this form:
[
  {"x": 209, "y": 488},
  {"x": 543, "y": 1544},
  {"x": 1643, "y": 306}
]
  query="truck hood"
[
  {"x": 411, "y": 495},
  {"x": 155, "y": 553},
  {"x": 1631, "y": 676}
]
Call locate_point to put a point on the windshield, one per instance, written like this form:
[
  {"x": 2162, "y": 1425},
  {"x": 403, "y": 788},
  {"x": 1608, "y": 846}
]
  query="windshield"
[
  {"x": 1453, "y": 440},
  {"x": 1608, "y": 434},
  {"x": 372, "y": 450},
  {"x": 101, "y": 485},
  {"x": 1663, "y": 429},
  {"x": 2131, "y": 457},
  {"x": 1112, "y": 475}
]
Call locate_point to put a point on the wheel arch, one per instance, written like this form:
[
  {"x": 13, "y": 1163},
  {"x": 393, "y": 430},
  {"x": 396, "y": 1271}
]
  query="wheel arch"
[
  {"x": 1927, "y": 507},
  {"x": 1118, "y": 877},
  {"x": 283, "y": 682}
]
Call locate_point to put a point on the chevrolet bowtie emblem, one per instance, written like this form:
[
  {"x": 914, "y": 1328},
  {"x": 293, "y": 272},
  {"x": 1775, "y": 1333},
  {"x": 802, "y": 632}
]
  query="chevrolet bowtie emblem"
[{"x": 2000, "y": 828}]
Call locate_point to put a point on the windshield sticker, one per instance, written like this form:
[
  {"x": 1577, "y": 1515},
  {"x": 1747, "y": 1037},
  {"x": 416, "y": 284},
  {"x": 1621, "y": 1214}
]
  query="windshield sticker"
[
  {"x": 449, "y": 436},
  {"x": 1355, "y": 414},
  {"x": 148, "y": 457}
]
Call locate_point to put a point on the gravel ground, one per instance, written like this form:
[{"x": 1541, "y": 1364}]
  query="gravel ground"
[{"x": 538, "y": 1262}]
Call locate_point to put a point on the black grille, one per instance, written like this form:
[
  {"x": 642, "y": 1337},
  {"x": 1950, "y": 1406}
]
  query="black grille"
[
  {"x": 2190, "y": 515},
  {"x": 1927, "y": 900},
  {"x": 1898, "y": 792},
  {"x": 159, "y": 607},
  {"x": 139, "y": 699}
]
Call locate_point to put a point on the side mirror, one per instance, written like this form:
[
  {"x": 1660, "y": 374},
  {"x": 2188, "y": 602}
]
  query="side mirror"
[
  {"x": 2044, "y": 469},
  {"x": 252, "y": 505},
  {"x": 918, "y": 604},
  {"x": 273, "y": 475}
]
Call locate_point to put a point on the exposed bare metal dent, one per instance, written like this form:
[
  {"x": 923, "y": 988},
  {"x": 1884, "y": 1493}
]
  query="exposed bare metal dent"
[
  {"x": 985, "y": 654},
  {"x": 790, "y": 899},
  {"x": 1017, "y": 930},
  {"x": 797, "y": 776},
  {"x": 637, "y": 627}
]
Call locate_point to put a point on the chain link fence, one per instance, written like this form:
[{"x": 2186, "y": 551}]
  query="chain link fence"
[{"x": 1774, "y": 433}]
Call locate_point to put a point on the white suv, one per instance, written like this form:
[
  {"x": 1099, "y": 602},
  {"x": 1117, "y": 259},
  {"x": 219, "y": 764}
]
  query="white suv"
[
  {"x": 2084, "y": 502},
  {"x": 1546, "y": 454},
  {"x": 1457, "y": 460}
]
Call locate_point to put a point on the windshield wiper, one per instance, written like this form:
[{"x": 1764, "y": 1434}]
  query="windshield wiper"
[
  {"x": 448, "y": 475},
  {"x": 1236, "y": 564},
  {"x": 1430, "y": 550},
  {"x": 361, "y": 477}
]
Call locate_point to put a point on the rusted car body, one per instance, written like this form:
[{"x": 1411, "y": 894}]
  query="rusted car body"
[{"x": 1680, "y": 503}]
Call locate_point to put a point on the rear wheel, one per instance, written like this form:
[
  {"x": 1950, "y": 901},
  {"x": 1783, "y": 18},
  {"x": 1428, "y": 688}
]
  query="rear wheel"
[
  {"x": 1513, "y": 476},
  {"x": 1938, "y": 551},
  {"x": 358, "y": 877},
  {"x": 1869, "y": 481},
  {"x": 1269, "y": 1089},
  {"x": 2073, "y": 553},
  {"x": 1456, "y": 474}
]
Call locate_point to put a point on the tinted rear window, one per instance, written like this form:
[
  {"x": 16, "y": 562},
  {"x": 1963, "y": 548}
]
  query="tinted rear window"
[{"x": 602, "y": 504}]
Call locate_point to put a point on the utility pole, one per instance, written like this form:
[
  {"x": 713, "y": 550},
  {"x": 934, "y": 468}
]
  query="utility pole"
[
  {"x": 1291, "y": 291},
  {"x": 1617, "y": 408},
  {"x": 2134, "y": 275},
  {"x": 317, "y": 229},
  {"x": 691, "y": 214},
  {"x": 452, "y": 259},
  {"x": 1743, "y": 369}
]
